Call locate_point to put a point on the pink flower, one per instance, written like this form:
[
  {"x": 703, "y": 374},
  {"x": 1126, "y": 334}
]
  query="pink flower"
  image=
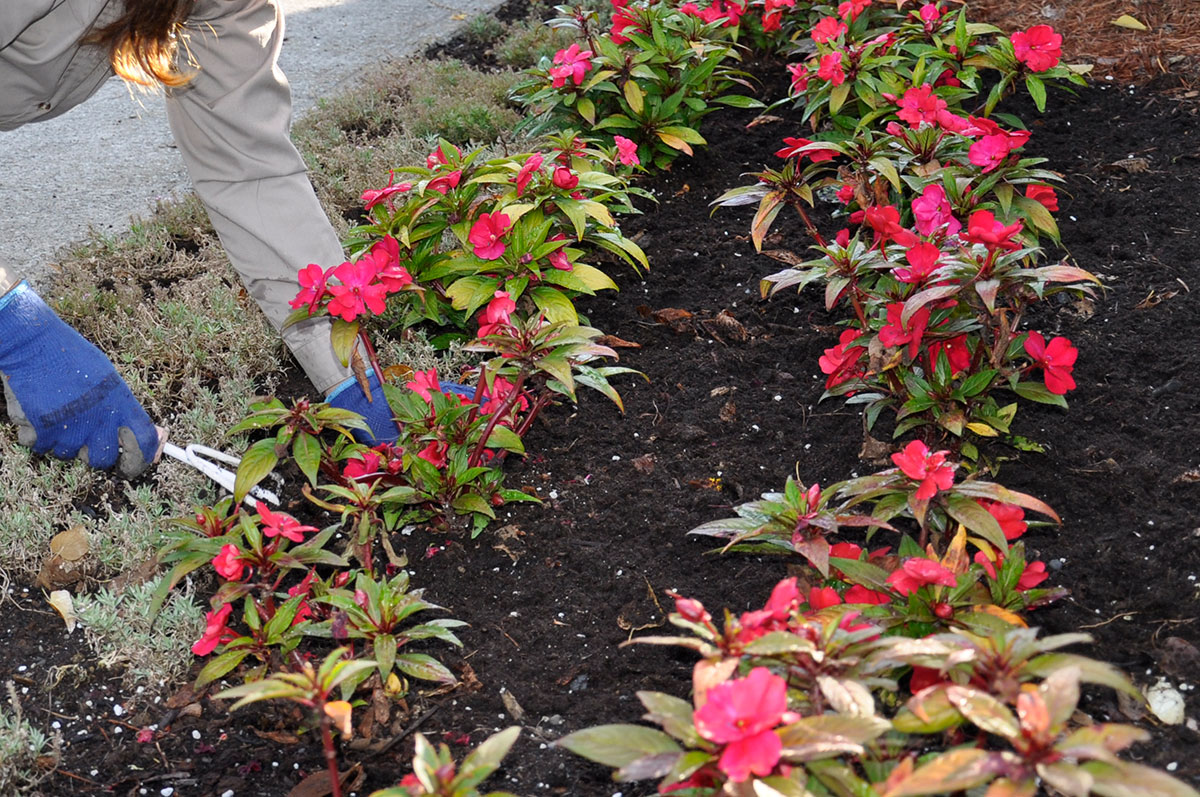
[
  {"x": 1056, "y": 359},
  {"x": 897, "y": 333},
  {"x": 932, "y": 212},
  {"x": 692, "y": 610},
  {"x": 841, "y": 362},
  {"x": 1033, "y": 574},
  {"x": 228, "y": 563},
  {"x": 496, "y": 314},
  {"x": 571, "y": 63},
  {"x": 831, "y": 69},
  {"x": 1043, "y": 194},
  {"x": 424, "y": 384},
  {"x": 626, "y": 151},
  {"x": 215, "y": 631},
  {"x": 313, "y": 287},
  {"x": 929, "y": 14},
  {"x": 385, "y": 255},
  {"x": 1010, "y": 517},
  {"x": 372, "y": 197},
  {"x": 817, "y": 155},
  {"x": 558, "y": 258},
  {"x": 358, "y": 292},
  {"x": 435, "y": 453},
  {"x": 1039, "y": 48},
  {"x": 280, "y": 524},
  {"x": 990, "y": 151},
  {"x": 438, "y": 157},
  {"x": 622, "y": 19},
  {"x": 919, "y": 105},
  {"x": 852, "y": 8},
  {"x": 487, "y": 235},
  {"x": 564, "y": 178},
  {"x": 531, "y": 165},
  {"x": 741, "y": 714},
  {"x": 916, "y": 572},
  {"x": 982, "y": 228},
  {"x": 828, "y": 29},
  {"x": 501, "y": 389},
  {"x": 799, "y": 73},
  {"x": 924, "y": 260},
  {"x": 930, "y": 468}
]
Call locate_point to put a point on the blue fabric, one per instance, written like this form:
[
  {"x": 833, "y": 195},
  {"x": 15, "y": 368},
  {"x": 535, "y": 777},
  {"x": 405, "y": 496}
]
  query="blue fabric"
[
  {"x": 64, "y": 394},
  {"x": 378, "y": 415}
]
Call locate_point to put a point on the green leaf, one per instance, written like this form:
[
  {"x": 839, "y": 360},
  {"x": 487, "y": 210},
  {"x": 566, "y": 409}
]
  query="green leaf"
[
  {"x": 471, "y": 293},
  {"x": 472, "y": 502},
  {"x": 503, "y": 437},
  {"x": 488, "y": 755},
  {"x": 554, "y": 304},
  {"x": 385, "y": 654},
  {"x": 342, "y": 337},
  {"x": 256, "y": 463},
  {"x": 956, "y": 770},
  {"x": 427, "y": 668},
  {"x": 673, "y": 714},
  {"x": 634, "y": 96},
  {"x": 618, "y": 745},
  {"x": 888, "y": 170},
  {"x": 968, "y": 512},
  {"x": 220, "y": 666},
  {"x": 1037, "y": 392},
  {"x": 837, "y": 97},
  {"x": 306, "y": 450},
  {"x": 1037, "y": 90},
  {"x": 587, "y": 109}
]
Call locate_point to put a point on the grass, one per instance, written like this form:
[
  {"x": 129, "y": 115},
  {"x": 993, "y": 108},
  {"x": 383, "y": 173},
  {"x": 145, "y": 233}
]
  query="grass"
[
  {"x": 163, "y": 302},
  {"x": 27, "y": 756}
]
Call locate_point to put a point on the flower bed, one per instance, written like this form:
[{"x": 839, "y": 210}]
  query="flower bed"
[{"x": 729, "y": 409}]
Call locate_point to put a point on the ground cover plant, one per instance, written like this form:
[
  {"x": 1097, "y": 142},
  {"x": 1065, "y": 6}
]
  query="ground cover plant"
[{"x": 679, "y": 453}]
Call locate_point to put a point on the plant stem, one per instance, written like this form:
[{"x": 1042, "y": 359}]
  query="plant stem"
[
  {"x": 509, "y": 401},
  {"x": 335, "y": 781},
  {"x": 810, "y": 227},
  {"x": 371, "y": 358}
]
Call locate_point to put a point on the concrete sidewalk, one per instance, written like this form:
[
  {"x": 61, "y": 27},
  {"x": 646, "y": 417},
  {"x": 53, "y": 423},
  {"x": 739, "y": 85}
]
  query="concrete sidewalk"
[{"x": 112, "y": 157}]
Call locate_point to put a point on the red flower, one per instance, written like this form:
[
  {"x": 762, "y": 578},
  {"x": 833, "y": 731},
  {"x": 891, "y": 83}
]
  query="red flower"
[
  {"x": 280, "y": 524},
  {"x": 885, "y": 220},
  {"x": 438, "y": 157},
  {"x": 741, "y": 714},
  {"x": 1010, "y": 517},
  {"x": 929, "y": 14},
  {"x": 840, "y": 363},
  {"x": 1044, "y": 194},
  {"x": 487, "y": 235},
  {"x": 982, "y": 228},
  {"x": 564, "y": 178},
  {"x": 496, "y": 314},
  {"x": 957, "y": 353},
  {"x": 989, "y": 151},
  {"x": 215, "y": 631},
  {"x": 626, "y": 151},
  {"x": 828, "y": 29},
  {"x": 933, "y": 213},
  {"x": 919, "y": 105},
  {"x": 1033, "y": 574},
  {"x": 895, "y": 333},
  {"x": 571, "y": 63},
  {"x": 372, "y": 197},
  {"x": 622, "y": 19},
  {"x": 852, "y": 8},
  {"x": 692, "y": 610},
  {"x": 531, "y": 165},
  {"x": 918, "y": 463},
  {"x": 365, "y": 465},
  {"x": 558, "y": 258},
  {"x": 385, "y": 255},
  {"x": 916, "y": 572},
  {"x": 822, "y": 598},
  {"x": 445, "y": 182},
  {"x": 831, "y": 69},
  {"x": 424, "y": 383},
  {"x": 435, "y": 453},
  {"x": 501, "y": 388},
  {"x": 924, "y": 260},
  {"x": 794, "y": 144},
  {"x": 358, "y": 292},
  {"x": 1056, "y": 359},
  {"x": 1039, "y": 48},
  {"x": 313, "y": 287},
  {"x": 923, "y": 678},
  {"x": 860, "y": 594},
  {"x": 228, "y": 563}
]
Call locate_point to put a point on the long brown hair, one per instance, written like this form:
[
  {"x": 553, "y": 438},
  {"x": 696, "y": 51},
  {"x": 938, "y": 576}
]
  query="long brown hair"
[{"x": 142, "y": 41}]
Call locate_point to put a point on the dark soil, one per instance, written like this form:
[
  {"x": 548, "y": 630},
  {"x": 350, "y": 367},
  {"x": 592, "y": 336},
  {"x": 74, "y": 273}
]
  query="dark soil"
[{"x": 551, "y": 595}]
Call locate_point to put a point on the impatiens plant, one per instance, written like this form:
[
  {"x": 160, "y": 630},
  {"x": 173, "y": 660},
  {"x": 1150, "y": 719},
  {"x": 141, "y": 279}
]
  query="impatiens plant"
[{"x": 436, "y": 775}]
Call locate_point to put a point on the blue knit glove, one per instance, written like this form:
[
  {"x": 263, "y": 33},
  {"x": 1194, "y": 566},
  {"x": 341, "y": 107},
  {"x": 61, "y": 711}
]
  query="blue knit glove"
[
  {"x": 64, "y": 394},
  {"x": 378, "y": 415}
]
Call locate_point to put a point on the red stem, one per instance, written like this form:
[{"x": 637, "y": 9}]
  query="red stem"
[
  {"x": 335, "y": 781},
  {"x": 509, "y": 400},
  {"x": 371, "y": 358}
]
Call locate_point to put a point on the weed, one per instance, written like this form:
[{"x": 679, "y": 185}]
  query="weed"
[{"x": 27, "y": 756}]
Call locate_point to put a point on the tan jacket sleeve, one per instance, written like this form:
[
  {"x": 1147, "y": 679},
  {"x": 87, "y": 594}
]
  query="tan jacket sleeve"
[{"x": 231, "y": 123}]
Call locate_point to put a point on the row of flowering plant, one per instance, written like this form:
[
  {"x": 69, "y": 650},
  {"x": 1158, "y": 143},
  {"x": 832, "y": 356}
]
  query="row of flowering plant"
[
  {"x": 782, "y": 703},
  {"x": 648, "y": 80}
]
